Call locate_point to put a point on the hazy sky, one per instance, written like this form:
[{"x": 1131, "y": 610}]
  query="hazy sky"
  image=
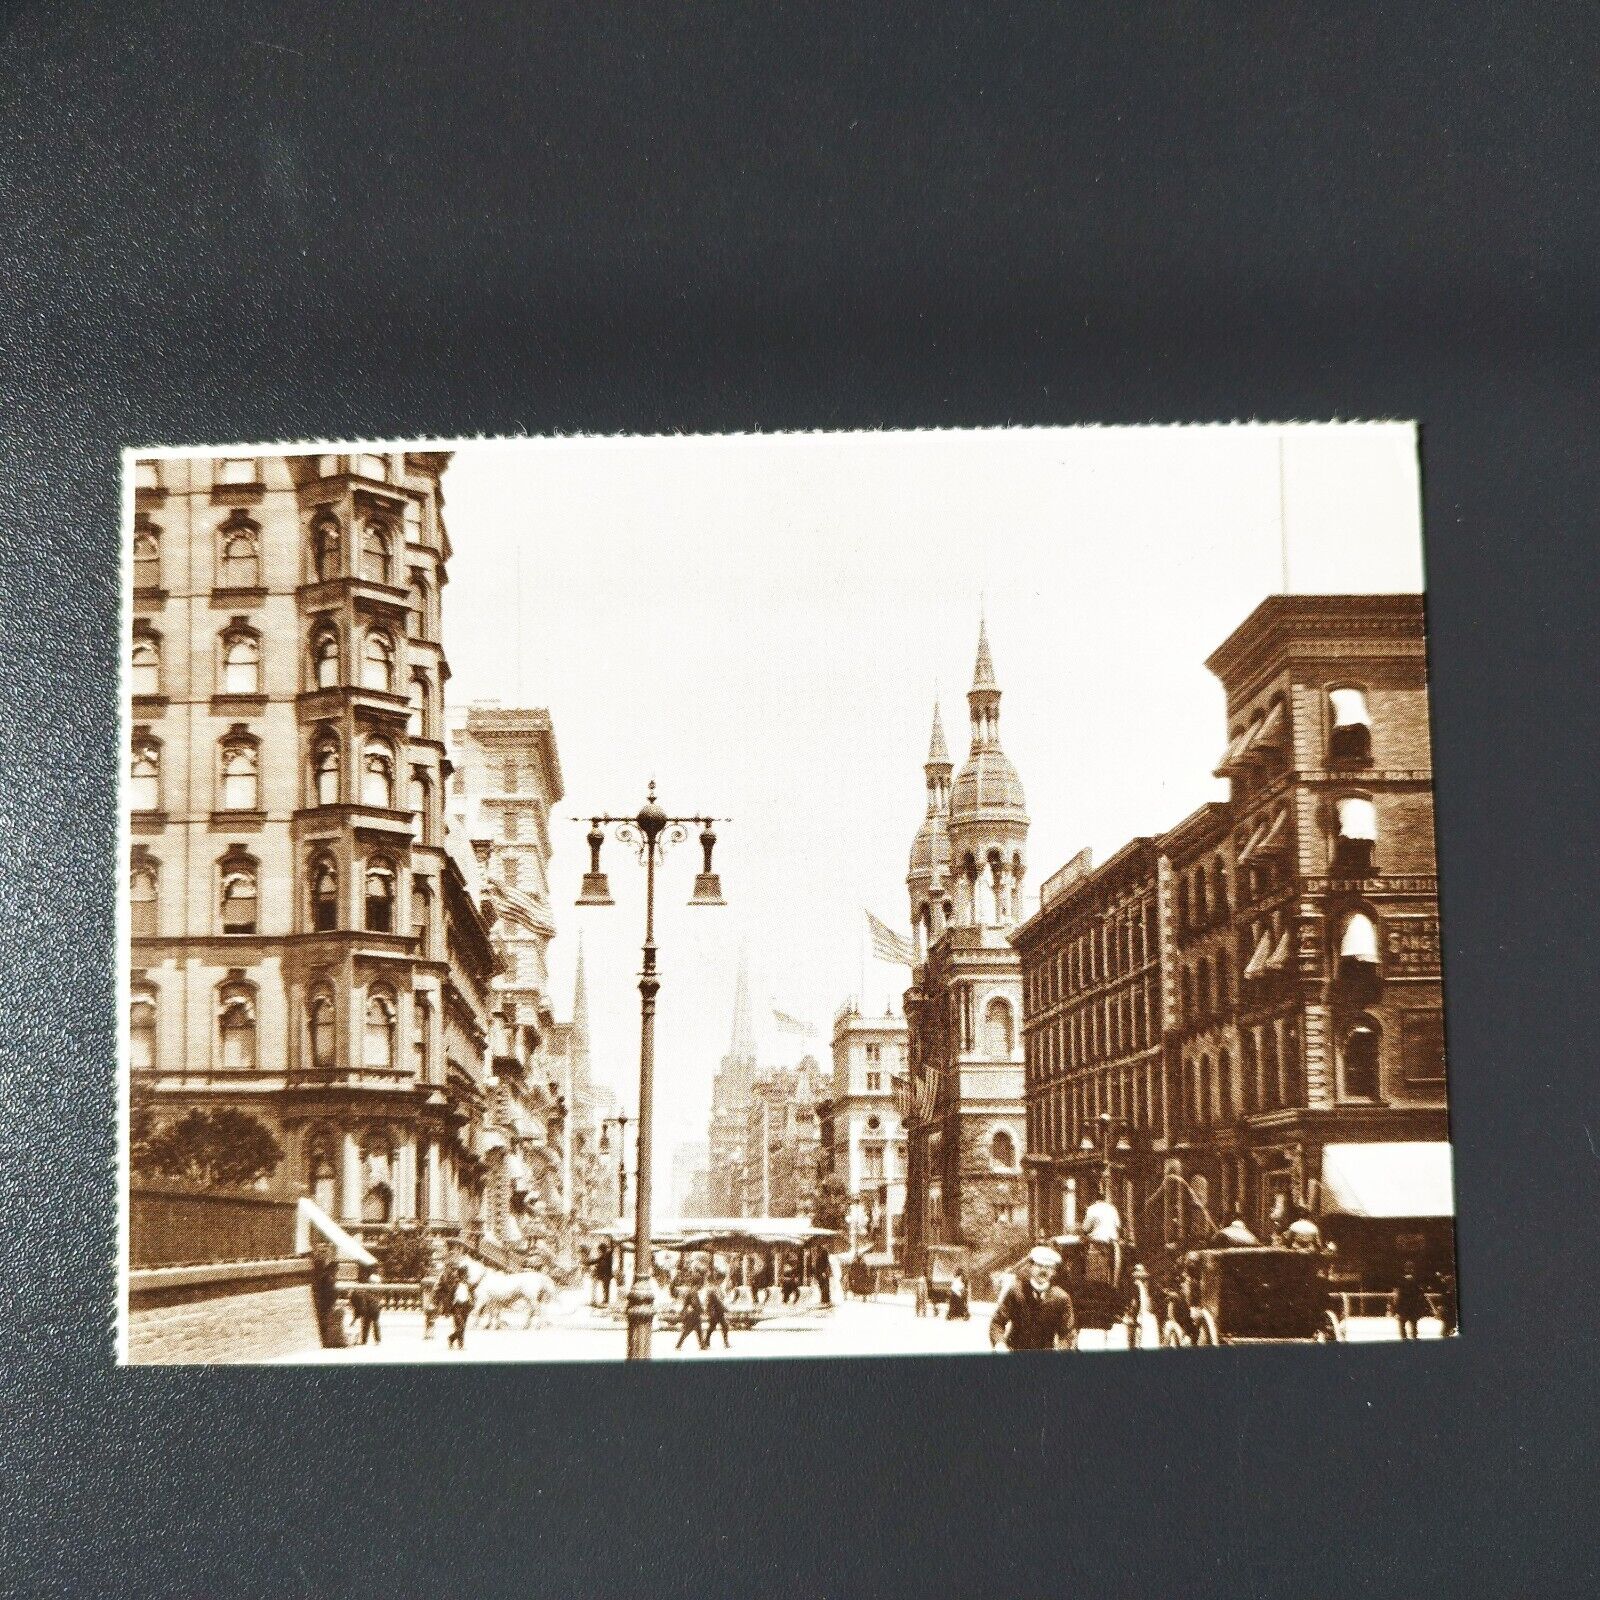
[{"x": 759, "y": 623}]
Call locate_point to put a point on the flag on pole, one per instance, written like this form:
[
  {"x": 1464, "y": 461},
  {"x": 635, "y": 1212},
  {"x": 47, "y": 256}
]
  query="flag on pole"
[
  {"x": 788, "y": 1024},
  {"x": 887, "y": 945}
]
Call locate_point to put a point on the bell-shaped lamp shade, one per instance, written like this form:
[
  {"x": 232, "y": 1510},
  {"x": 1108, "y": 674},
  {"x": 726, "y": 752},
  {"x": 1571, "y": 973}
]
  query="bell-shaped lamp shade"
[
  {"x": 596, "y": 890},
  {"x": 707, "y": 884}
]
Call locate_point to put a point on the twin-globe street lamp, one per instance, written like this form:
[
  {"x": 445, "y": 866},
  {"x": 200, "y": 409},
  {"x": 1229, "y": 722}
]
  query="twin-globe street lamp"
[{"x": 651, "y": 833}]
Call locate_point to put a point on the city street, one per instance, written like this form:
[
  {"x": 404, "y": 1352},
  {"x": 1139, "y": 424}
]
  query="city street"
[{"x": 881, "y": 1327}]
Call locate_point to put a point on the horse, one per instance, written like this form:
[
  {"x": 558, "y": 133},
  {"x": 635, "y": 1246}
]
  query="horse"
[{"x": 496, "y": 1292}]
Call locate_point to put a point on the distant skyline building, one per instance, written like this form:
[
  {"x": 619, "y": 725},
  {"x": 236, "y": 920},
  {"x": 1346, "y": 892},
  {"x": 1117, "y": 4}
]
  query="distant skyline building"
[
  {"x": 868, "y": 1151},
  {"x": 731, "y": 1092}
]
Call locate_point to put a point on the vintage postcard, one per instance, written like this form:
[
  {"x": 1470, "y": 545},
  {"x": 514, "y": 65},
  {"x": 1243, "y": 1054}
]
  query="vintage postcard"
[{"x": 795, "y": 895}]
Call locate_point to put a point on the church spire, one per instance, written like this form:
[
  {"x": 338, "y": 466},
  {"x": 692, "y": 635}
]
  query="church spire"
[
  {"x": 580, "y": 999},
  {"x": 744, "y": 1038},
  {"x": 938, "y": 755},
  {"x": 983, "y": 697}
]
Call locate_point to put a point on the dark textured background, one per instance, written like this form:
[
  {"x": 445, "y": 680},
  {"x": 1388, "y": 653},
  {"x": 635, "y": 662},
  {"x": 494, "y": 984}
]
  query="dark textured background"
[{"x": 276, "y": 220}]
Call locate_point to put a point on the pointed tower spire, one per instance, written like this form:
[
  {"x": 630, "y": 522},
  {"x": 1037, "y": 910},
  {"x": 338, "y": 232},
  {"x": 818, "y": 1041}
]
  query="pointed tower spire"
[
  {"x": 580, "y": 997},
  {"x": 744, "y": 1038},
  {"x": 984, "y": 696},
  {"x": 938, "y": 755},
  {"x": 983, "y": 673}
]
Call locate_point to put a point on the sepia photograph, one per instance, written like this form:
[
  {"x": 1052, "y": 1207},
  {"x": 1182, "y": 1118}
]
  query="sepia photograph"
[{"x": 780, "y": 895}]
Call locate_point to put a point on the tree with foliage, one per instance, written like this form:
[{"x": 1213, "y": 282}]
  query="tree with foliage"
[
  {"x": 222, "y": 1149},
  {"x": 830, "y": 1204}
]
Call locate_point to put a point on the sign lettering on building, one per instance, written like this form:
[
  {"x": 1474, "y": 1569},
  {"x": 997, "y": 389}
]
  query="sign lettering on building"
[{"x": 1411, "y": 946}]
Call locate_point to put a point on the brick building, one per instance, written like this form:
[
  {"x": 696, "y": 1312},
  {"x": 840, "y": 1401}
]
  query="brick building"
[
  {"x": 304, "y": 945},
  {"x": 1262, "y": 984}
]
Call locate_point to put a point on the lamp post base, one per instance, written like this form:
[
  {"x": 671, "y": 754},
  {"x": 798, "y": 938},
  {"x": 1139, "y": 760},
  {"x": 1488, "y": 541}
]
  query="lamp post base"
[{"x": 641, "y": 1319}]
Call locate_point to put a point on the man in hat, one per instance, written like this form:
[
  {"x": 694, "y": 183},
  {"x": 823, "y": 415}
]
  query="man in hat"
[{"x": 1033, "y": 1314}]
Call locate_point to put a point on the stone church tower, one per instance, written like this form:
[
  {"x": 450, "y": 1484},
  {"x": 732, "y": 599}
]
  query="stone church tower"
[{"x": 963, "y": 1097}]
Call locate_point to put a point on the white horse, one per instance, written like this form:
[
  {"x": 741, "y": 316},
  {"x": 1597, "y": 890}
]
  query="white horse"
[{"x": 495, "y": 1292}]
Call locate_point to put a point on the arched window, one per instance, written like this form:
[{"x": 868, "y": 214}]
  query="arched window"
[
  {"x": 146, "y": 556},
  {"x": 321, "y": 1172},
  {"x": 144, "y": 785},
  {"x": 322, "y": 1030},
  {"x": 142, "y": 1004},
  {"x": 377, "y": 1168},
  {"x": 324, "y": 894},
  {"x": 325, "y": 770},
  {"x": 422, "y": 1035},
  {"x": 377, "y": 775},
  {"x": 1361, "y": 1062},
  {"x": 380, "y": 897},
  {"x": 1359, "y": 941},
  {"x": 238, "y": 893},
  {"x": 1225, "y": 1096},
  {"x": 377, "y": 662},
  {"x": 1203, "y": 995},
  {"x": 1219, "y": 888},
  {"x": 378, "y": 1046},
  {"x": 327, "y": 547},
  {"x": 241, "y": 555},
  {"x": 325, "y": 656},
  {"x": 1002, "y": 1150},
  {"x": 421, "y": 914},
  {"x": 420, "y": 724},
  {"x": 241, "y": 780},
  {"x": 1356, "y": 836},
  {"x": 144, "y": 676},
  {"x": 1202, "y": 910},
  {"x": 377, "y": 554},
  {"x": 1350, "y": 736},
  {"x": 1205, "y": 1108},
  {"x": 241, "y": 662},
  {"x": 144, "y": 903},
  {"x": 1272, "y": 1066},
  {"x": 997, "y": 1029},
  {"x": 424, "y": 604},
  {"x": 1183, "y": 903},
  {"x": 236, "y": 1026}
]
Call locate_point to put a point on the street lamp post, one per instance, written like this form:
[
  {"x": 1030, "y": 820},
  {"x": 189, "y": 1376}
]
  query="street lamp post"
[
  {"x": 620, "y": 1123},
  {"x": 650, "y": 833}
]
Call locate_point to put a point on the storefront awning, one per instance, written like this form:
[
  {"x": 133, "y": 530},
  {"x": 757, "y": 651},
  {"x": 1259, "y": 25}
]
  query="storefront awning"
[{"x": 1405, "y": 1178}]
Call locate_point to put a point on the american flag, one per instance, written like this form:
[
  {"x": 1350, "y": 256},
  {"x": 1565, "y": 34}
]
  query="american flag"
[
  {"x": 887, "y": 945},
  {"x": 788, "y": 1024}
]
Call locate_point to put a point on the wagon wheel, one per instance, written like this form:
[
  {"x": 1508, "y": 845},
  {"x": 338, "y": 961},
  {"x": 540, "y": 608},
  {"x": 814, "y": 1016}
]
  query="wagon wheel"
[
  {"x": 1330, "y": 1330},
  {"x": 1205, "y": 1328}
]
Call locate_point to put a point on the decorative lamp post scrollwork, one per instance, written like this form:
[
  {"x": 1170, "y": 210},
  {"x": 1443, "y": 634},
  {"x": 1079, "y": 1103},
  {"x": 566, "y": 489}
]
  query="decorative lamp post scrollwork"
[{"x": 651, "y": 833}]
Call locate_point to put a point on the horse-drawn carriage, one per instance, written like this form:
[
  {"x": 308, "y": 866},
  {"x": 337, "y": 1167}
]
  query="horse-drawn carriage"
[{"x": 1256, "y": 1293}]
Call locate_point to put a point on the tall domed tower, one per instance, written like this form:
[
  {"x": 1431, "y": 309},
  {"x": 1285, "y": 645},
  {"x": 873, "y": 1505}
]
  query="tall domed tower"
[
  {"x": 964, "y": 1116},
  {"x": 928, "y": 874},
  {"x": 988, "y": 819}
]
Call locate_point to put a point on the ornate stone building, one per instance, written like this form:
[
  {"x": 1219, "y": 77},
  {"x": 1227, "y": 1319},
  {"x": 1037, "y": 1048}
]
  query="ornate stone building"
[
  {"x": 865, "y": 1140},
  {"x": 963, "y": 1097},
  {"x": 304, "y": 946},
  {"x": 506, "y": 778}
]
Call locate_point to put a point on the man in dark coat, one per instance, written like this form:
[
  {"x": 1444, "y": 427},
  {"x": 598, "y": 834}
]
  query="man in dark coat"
[
  {"x": 603, "y": 1266},
  {"x": 325, "y": 1296},
  {"x": 455, "y": 1293},
  {"x": 824, "y": 1276},
  {"x": 715, "y": 1312},
  {"x": 1033, "y": 1314},
  {"x": 691, "y": 1317},
  {"x": 1410, "y": 1302}
]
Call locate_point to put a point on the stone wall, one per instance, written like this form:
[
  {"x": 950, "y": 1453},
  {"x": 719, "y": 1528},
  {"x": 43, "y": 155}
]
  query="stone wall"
[{"x": 237, "y": 1312}]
